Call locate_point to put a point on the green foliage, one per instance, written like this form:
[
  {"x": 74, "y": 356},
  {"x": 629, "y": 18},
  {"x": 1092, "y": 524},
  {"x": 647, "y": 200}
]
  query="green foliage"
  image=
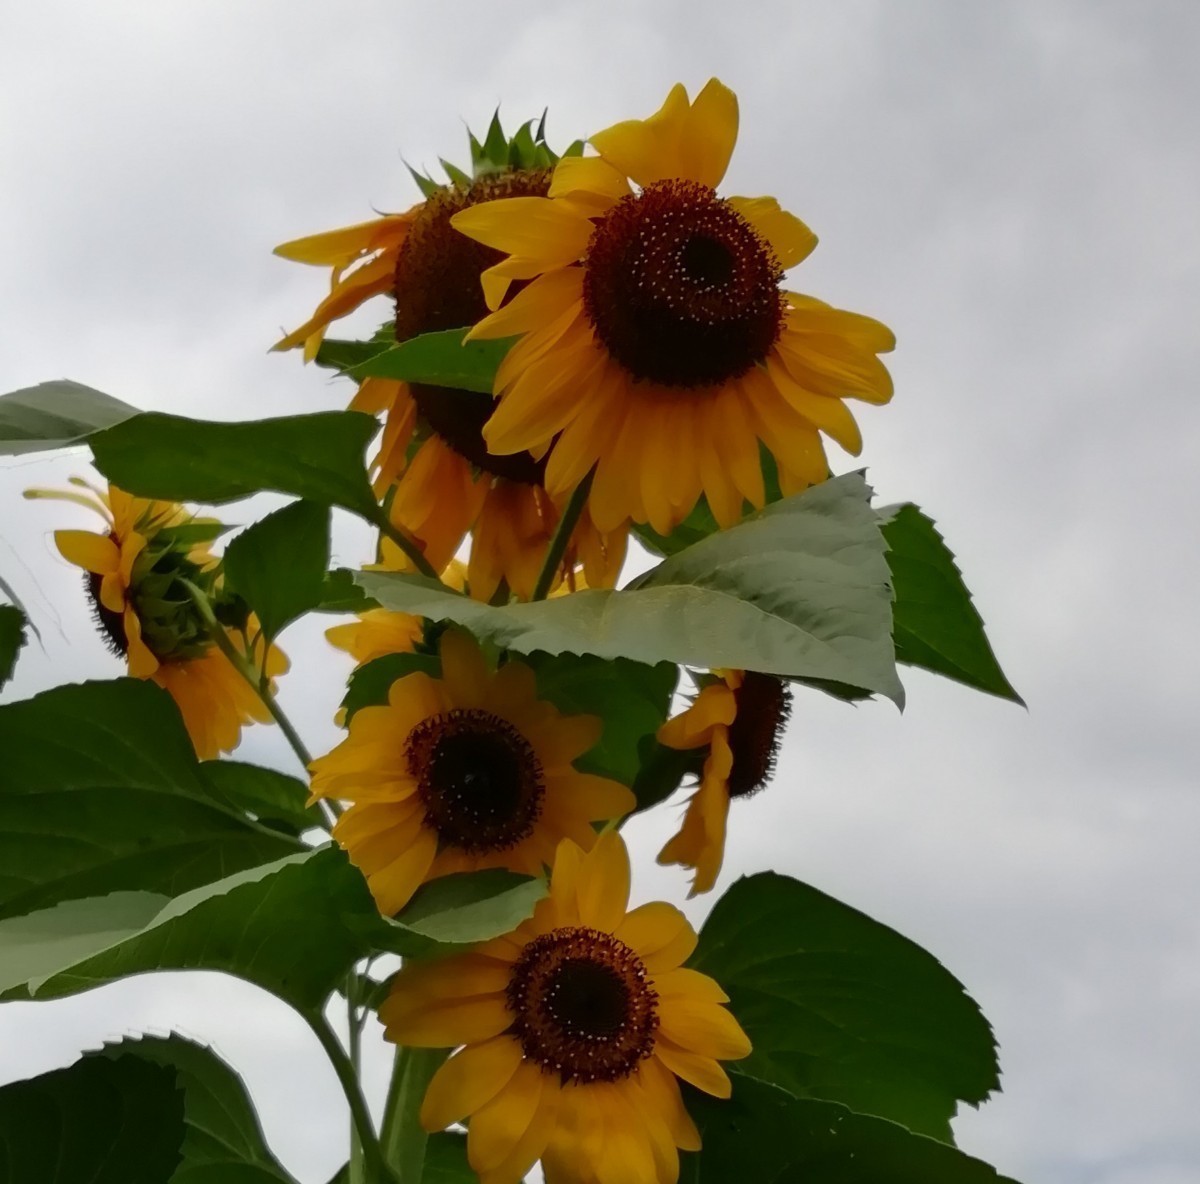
[
  {"x": 343, "y": 356},
  {"x": 100, "y": 1121},
  {"x": 222, "y": 1141},
  {"x": 937, "y": 626},
  {"x": 437, "y": 359},
  {"x": 100, "y": 792},
  {"x": 369, "y": 683},
  {"x": 278, "y": 565},
  {"x": 273, "y": 798},
  {"x": 798, "y": 589},
  {"x": 12, "y": 638},
  {"x": 661, "y": 771},
  {"x": 466, "y": 908},
  {"x": 318, "y": 457},
  {"x": 341, "y": 594},
  {"x": 630, "y": 697},
  {"x": 446, "y": 1160},
  {"x": 763, "y": 1134},
  {"x": 56, "y": 415},
  {"x": 840, "y": 1007}
]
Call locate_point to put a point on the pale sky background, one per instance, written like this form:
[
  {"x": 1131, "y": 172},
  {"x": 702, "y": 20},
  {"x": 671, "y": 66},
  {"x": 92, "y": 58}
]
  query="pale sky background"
[{"x": 1011, "y": 186}]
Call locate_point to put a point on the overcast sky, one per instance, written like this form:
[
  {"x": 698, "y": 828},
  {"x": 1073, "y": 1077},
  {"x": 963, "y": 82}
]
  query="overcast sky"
[{"x": 1011, "y": 186}]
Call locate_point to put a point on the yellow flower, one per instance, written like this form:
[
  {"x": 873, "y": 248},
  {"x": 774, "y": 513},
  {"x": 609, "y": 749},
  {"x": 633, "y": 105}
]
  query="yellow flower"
[
  {"x": 148, "y": 618},
  {"x": 739, "y": 718},
  {"x": 657, "y": 344},
  {"x": 377, "y": 632},
  {"x": 576, "y": 1026},
  {"x": 467, "y": 771},
  {"x": 447, "y": 482}
]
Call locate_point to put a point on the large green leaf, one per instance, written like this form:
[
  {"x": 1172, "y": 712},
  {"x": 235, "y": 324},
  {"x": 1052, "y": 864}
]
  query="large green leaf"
[
  {"x": 630, "y": 697},
  {"x": 437, "y": 359},
  {"x": 278, "y": 565},
  {"x": 97, "y": 1122},
  {"x": 369, "y": 683},
  {"x": 274, "y": 798},
  {"x": 446, "y": 1160},
  {"x": 55, "y": 415},
  {"x": 937, "y": 626},
  {"x": 12, "y": 638},
  {"x": 800, "y": 588},
  {"x": 100, "y": 792},
  {"x": 222, "y": 1140},
  {"x": 291, "y": 926},
  {"x": 318, "y": 457},
  {"x": 468, "y": 907},
  {"x": 764, "y": 1135},
  {"x": 841, "y": 1007}
]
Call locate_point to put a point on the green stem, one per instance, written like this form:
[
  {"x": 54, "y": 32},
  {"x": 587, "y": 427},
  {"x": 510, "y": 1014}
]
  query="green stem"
[
  {"x": 406, "y": 545},
  {"x": 561, "y": 537},
  {"x": 354, "y": 1024},
  {"x": 403, "y": 1139},
  {"x": 376, "y": 1171},
  {"x": 258, "y": 681}
]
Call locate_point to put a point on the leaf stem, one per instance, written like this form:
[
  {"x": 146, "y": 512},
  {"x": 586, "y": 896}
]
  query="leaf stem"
[
  {"x": 562, "y": 536},
  {"x": 410, "y": 549},
  {"x": 404, "y": 1139},
  {"x": 376, "y": 1170}
]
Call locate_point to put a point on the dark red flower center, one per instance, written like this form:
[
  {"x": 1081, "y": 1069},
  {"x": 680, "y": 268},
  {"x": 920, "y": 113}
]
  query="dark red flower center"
[
  {"x": 583, "y": 1004},
  {"x": 763, "y": 706},
  {"x": 478, "y": 778},
  {"x": 438, "y": 288},
  {"x": 680, "y": 288}
]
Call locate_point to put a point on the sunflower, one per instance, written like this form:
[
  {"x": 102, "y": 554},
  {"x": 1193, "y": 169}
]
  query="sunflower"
[
  {"x": 467, "y": 771},
  {"x": 657, "y": 344},
  {"x": 146, "y": 615},
  {"x": 738, "y": 718},
  {"x": 447, "y": 482},
  {"x": 576, "y": 1026}
]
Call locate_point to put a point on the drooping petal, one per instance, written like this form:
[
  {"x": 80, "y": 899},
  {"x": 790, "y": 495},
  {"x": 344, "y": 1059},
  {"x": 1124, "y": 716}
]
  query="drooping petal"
[{"x": 93, "y": 552}]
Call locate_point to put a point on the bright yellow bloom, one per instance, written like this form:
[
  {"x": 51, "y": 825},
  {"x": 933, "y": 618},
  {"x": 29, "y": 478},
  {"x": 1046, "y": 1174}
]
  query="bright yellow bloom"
[
  {"x": 576, "y": 1027},
  {"x": 657, "y": 344},
  {"x": 739, "y": 718},
  {"x": 147, "y": 617},
  {"x": 447, "y": 482},
  {"x": 468, "y": 771}
]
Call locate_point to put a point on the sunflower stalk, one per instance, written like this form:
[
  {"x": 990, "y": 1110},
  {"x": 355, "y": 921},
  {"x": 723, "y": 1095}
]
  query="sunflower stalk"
[
  {"x": 404, "y": 1139},
  {"x": 561, "y": 537}
]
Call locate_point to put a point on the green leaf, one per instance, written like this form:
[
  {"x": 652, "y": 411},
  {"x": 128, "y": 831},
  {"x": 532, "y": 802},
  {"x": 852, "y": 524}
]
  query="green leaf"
[
  {"x": 843, "y": 1008},
  {"x": 278, "y": 565},
  {"x": 402, "y": 1139},
  {"x": 764, "y": 1135},
  {"x": 55, "y": 415},
  {"x": 446, "y": 1160},
  {"x": 293, "y": 927},
  {"x": 222, "y": 1140},
  {"x": 937, "y": 627},
  {"x": 344, "y": 355},
  {"x": 97, "y": 1122},
  {"x": 799, "y": 589},
  {"x": 630, "y": 697},
  {"x": 471, "y": 906},
  {"x": 100, "y": 791},
  {"x": 12, "y": 638},
  {"x": 318, "y": 457},
  {"x": 438, "y": 359},
  {"x": 369, "y": 683},
  {"x": 341, "y": 594},
  {"x": 273, "y": 798},
  {"x": 661, "y": 771}
]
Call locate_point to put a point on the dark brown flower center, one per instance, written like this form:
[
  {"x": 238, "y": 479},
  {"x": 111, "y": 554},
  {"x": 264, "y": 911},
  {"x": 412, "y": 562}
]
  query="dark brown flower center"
[
  {"x": 438, "y": 288},
  {"x": 583, "y": 1004},
  {"x": 478, "y": 778},
  {"x": 110, "y": 624},
  {"x": 763, "y": 706},
  {"x": 680, "y": 288}
]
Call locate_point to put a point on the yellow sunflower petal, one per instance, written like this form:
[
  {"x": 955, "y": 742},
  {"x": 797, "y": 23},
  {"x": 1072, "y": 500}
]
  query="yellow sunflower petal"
[
  {"x": 590, "y": 180},
  {"x": 393, "y": 885},
  {"x": 701, "y": 1071},
  {"x": 709, "y": 133},
  {"x": 142, "y": 662},
  {"x": 691, "y": 984},
  {"x": 662, "y": 1089},
  {"x": 624, "y": 1153},
  {"x": 531, "y": 227},
  {"x": 603, "y": 888},
  {"x": 445, "y": 1025},
  {"x": 660, "y": 934},
  {"x": 537, "y": 304},
  {"x": 468, "y": 1080},
  {"x": 568, "y": 737},
  {"x": 704, "y": 1028},
  {"x": 830, "y": 415},
  {"x": 530, "y": 1146},
  {"x": 336, "y": 248},
  {"x": 715, "y": 706},
  {"x": 464, "y": 668},
  {"x": 93, "y": 552},
  {"x": 790, "y": 240},
  {"x": 594, "y": 798},
  {"x": 497, "y": 1127}
]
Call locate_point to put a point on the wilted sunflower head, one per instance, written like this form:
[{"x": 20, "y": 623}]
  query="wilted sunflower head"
[
  {"x": 463, "y": 771},
  {"x": 737, "y": 720},
  {"x": 658, "y": 345},
  {"x": 577, "y": 1023}
]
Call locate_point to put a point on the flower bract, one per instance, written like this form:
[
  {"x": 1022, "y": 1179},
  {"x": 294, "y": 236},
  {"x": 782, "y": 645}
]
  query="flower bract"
[{"x": 575, "y": 1030}]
